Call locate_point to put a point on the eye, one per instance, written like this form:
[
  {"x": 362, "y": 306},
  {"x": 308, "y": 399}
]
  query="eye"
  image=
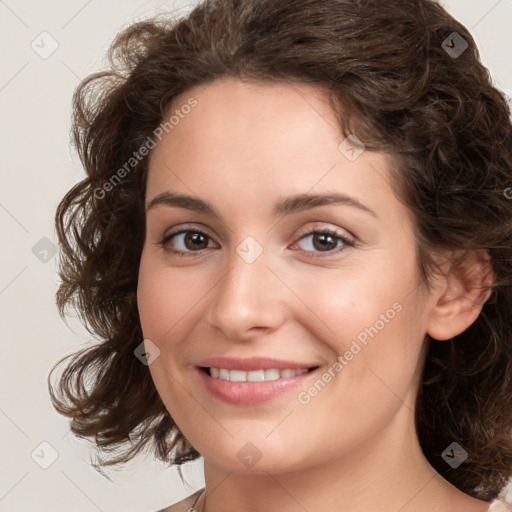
[
  {"x": 195, "y": 241},
  {"x": 191, "y": 240},
  {"x": 325, "y": 241}
]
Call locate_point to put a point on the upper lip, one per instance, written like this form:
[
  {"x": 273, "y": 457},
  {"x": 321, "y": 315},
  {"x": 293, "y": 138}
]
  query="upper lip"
[{"x": 253, "y": 363}]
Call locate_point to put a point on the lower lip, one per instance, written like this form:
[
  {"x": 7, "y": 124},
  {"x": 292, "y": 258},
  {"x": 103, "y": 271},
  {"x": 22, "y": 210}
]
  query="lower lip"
[{"x": 252, "y": 393}]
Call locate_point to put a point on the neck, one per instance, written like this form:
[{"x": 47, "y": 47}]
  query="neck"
[{"x": 390, "y": 473}]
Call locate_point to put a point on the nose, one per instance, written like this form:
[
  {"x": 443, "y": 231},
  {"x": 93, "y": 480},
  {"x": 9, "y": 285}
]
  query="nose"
[{"x": 249, "y": 300}]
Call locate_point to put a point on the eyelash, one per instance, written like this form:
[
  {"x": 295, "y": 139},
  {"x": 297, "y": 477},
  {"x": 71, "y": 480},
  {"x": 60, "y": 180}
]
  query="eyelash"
[{"x": 320, "y": 254}]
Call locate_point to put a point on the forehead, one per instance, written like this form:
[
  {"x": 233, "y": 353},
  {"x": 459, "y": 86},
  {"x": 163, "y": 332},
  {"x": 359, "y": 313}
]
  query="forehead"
[
  {"x": 260, "y": 119},
  {"x": 246, "y": 140}
]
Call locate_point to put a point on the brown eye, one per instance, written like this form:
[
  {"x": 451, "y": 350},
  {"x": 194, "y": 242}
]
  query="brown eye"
[
  {"x": 326, "y": 241},
  {"x": 194, "y": 240},
  {"x": 185, "y": 240}
]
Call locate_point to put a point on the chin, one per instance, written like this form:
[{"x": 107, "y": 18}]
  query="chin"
[{"x": 253, "y": 458}]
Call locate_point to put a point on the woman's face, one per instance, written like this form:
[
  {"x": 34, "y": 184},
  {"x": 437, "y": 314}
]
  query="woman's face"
[{"x": 260, "y": 279}]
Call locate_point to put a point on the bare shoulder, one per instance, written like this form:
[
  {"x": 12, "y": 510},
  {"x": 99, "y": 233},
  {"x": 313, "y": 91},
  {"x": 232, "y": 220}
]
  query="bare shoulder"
[
  {"x": 183, "y": 505},
  {"x": 498, "y": 505}
]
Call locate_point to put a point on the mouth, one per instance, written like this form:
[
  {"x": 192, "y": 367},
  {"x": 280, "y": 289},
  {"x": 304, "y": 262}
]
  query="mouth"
[
  {"x": 258, "y": 375},
  {"x": 253, "y": 387}
]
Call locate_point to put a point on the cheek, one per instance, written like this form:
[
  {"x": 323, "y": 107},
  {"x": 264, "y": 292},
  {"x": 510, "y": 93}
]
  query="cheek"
[
  {"x": 374, "y": 319},
  {"x": 153, "y": 301},
  {"x": 165, "y": 297},
  {"x": 343, "y": 301},
  {"x": 162, "y": 302},
  {"x": 375, "y": 333}
]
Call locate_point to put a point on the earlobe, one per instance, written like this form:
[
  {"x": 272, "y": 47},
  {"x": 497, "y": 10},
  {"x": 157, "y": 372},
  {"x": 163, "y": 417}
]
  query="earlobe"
[{"x": 459, "y": 298}]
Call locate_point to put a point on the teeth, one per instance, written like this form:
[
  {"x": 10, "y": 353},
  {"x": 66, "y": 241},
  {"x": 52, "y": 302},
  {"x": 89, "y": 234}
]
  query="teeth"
[
  {"x": 255, "y": 375},
  {"x": 271, "y": 374}
]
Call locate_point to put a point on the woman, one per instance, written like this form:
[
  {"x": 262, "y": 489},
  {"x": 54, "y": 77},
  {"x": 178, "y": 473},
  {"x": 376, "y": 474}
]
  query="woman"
[{"x": 294, "y": 241}]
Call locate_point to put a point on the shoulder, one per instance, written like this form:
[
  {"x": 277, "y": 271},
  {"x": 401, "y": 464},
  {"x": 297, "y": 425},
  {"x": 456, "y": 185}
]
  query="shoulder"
[
  {"x": 498, "y": 505},
  {"x": 183, "y": 505}
]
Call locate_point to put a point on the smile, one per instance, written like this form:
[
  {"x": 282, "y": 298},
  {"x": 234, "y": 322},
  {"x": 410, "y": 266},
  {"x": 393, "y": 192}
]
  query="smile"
[
  {"x": 254, "y": 375},
  {"x": 253, "y": 387}
]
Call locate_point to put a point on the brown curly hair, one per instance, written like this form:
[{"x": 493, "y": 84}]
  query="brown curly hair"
[{"x": 392, "y": 81}]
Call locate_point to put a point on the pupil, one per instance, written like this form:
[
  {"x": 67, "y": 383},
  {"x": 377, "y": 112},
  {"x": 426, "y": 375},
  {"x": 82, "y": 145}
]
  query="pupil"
[
  {"x": 323, "y": 245},
  {"x": 195, "y": 237}
]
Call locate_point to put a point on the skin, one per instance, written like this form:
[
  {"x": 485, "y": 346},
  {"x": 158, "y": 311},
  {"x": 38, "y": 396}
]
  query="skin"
[{"x": 353, "y": 447}]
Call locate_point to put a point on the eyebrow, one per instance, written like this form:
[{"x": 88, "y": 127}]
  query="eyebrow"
[{"x": 283, "y": 207}]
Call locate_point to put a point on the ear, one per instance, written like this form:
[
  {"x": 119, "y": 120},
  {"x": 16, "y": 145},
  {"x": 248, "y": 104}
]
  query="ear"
[{"x": 460, "y": 295}]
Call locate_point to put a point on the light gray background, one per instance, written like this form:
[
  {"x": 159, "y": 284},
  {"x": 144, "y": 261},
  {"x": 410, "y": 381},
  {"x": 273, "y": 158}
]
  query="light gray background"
[{"x": 37, "y": 167}]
